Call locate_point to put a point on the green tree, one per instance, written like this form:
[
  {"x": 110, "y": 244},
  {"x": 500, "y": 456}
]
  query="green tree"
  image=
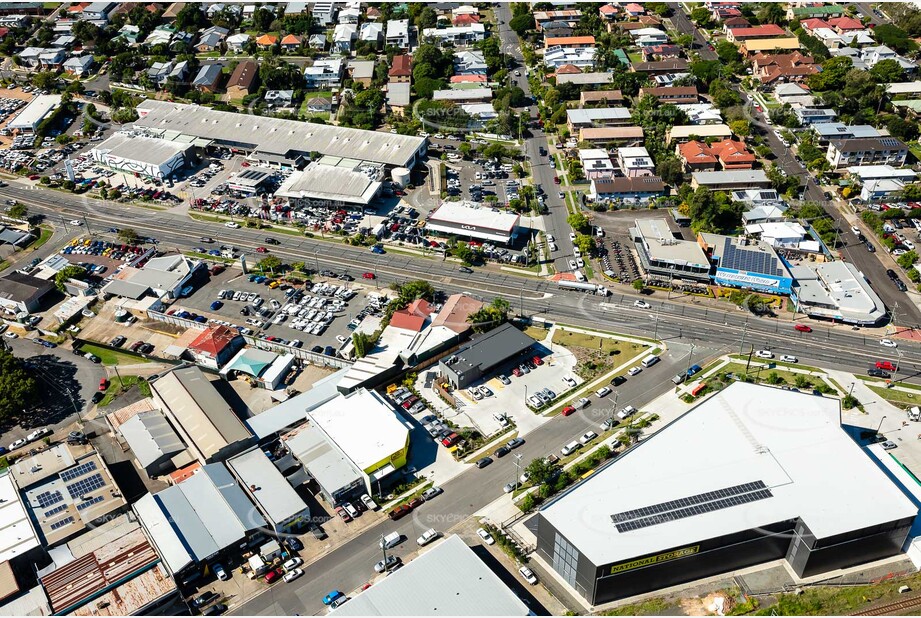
[
  {"x": 522, "y": 23},
  {"x": 18, "y": 211},
  {"x": 638, "y": 285},
  {"x": 363, "y": 344},
  {"x": 68, "y": 272},
  {"x": 894, "y": 37},
  {"x": 742, "y": 128},
  {"x": 578, "y": 222},
  {"x": 190, "y": 18},
  {"x": 907, "y": 260},
  {"x": 832, "y": 76},
  {"x": 670, "y": 170},
  {"x": 270, "y": 263},
  {"x": 887, "y": 71},
  {"x": 18, "y": 386},
  {"x": 539, "y": 471},
  {"x": 772, "y": 13},
  {"x": 701, "y": 16},
  {"x": 585, "y": 243},
  {"x": 727, "y": 52},
  {"x": 128, "y": 235}
]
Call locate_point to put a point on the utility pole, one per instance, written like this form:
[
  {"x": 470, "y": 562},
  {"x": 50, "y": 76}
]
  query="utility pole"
[
  {"x": 517, "y": 469},
  {"x": 384, "y": 549},
  {"x": 742, "y": 344},
  {"x": 655, "y": 334},
  {"x": 87, "y": 223},
  {"x": 614, "y": 407},
  {"x": 690, "y": 354}
]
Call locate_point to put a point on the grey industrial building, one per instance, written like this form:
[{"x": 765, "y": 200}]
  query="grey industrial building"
[
  {"x": 485, "y": 353},
  {"x": 752, "y": 474},
  {"x": 275, "y": 140}
]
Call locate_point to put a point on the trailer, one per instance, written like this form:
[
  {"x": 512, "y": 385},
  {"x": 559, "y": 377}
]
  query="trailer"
[{"x": 585, "y": 286}]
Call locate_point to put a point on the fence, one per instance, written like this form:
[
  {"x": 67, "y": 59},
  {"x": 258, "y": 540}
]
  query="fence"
[{"x": 261, "y": 344}]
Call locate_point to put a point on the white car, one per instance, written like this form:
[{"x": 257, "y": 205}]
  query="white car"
[
  {"x": 427, "y": 537},
  {"x": 569, "y": 381},
  {"x": 634, "y": 371},
  {"x": 626, "y": 412},
  {"x": 341, "y": 339},
  {"x": 789, "y": 359},
  {"x": 290, "y": 576},
  {"x": 572, "y": 236},
  {"x": 76, "y": 222},
  {"x": 604, "y": 391},
  {"x": 580, "y": 262},
  {"x": 553, "y": 247},
  {"x": 528, "y": 575},
  {"x": 11, "y": 335},
  {"x": 641, "y": 304},
  {"x": 573, "y": 265},
  {"x": 764, "y": 354},
  {"x": 232, "y": 224},
  {"x": 486, "y": 536},
  {"x": 888, "y": 343},
  {"x": 485, "y": 391},
  {"x": 587, "y": 437},
  {"x": 292, "y": 564},
  {"x": 15, "y": 445},
  {"x": 38, "y": 433}
]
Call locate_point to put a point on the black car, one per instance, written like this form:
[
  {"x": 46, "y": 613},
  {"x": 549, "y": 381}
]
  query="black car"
[
  {"x": 464, "y": 269},
  {"x": 146, "y": 348},
  {"x": 878, "y": 373},
  {"x": 870, "y": 247},
  {"x": 118, "y": 341},
  {"x": 215, "y": 610},
  {"x": 272, "y": 241},
  {"x": 295, "y": 544},
  {"x": 346, "y": 278},
  {"x": 318, "y": 533},
  {"x": 97, "y": 396},
  {"x": 618, "y": 380},
  {"x": 891, "y": 274},
  {"x": 204, "y": 599},
  {"x": 318, "y": 349},
  {"x": 482, "y": 463},
  {"x": 502, "y": 451}
]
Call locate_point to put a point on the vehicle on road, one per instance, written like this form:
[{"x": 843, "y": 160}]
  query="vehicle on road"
[
  {"x": 431, "y": 492},
  {"x": 604, "y": 391},
  {"x": 290, "y": 576},
  {"x": 232, "y": 224},
  {"x": 333, "y": 596},
  {"x": 514, "y": 443},
  {"x": 641, "y": 304},
  {"x": 888, "y": 343},
  {"x": 787, "y": 358},
  {"x": 764, "y": 354},
  {"x": 634, "y": 371},
  {"x": 568, "y": 410},
  {"x": 483, "y": 462},
  {"x": 803, "y": 328},
  {"x": 587, "y": 437},
  {"x": 570, "y": 448},
  {"x": 386, "y": 565}
]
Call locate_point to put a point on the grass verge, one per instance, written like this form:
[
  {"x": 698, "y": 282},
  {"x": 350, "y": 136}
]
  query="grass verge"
[
  {"x": 895, "y": 396},
  {"x": 111, "y": 357},
  {"x": 118, "y": 386}
]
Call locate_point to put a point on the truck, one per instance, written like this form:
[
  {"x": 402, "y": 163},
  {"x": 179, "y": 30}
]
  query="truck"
[
  {"x": 585, "y": 286},
  {"x": 914, "y": 413}
]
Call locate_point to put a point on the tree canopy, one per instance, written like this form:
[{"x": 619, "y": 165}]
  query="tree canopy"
[{"x": 18, "y": 387}]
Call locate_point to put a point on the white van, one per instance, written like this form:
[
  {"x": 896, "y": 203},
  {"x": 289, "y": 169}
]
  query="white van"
[
  {"x": 579, "y": 275},
  {"x": 649, "y": 361},
  {"x": 570, "y": 448},
  {"x": 391, "y": 540}
]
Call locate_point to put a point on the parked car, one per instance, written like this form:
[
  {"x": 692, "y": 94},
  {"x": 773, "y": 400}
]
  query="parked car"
[
  {"x": 486, "y": 536},
  {"x": 427, "y": 537},
  {"x": 527, "y": 574}
]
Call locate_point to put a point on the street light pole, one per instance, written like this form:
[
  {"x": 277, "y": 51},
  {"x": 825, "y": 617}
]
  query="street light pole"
[
  {"x": 742, "y": 344},
  {"x": 880, "y": 426},
  {"x": 690, "y": 354},
  {"x": 517, "y": 469}
]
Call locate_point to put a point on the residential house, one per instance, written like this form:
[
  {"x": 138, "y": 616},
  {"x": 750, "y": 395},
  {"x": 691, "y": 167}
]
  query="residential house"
[
  {"x": 291, "y": 43},
  {"x": 701, "y": 113},
  {"x": 779, "y": 68},
  {"x": 569, "y": 17},
  {"x": 465, "y": 95},
  {"x": 826, "y": 131},
  {"x": 634, "y": 10},
  {"x": 660, "y": 52},
  {"x": 349, "y": 15},
  {"x": 630, "y": 190},
  {"x": 397, "y": 33},
  {"x": 279, "y": 98},
  {"x": 361, "y": 71},
  {"x": 469, "y": 63},
  {"x": 635, "y": 161},
  {"x": 324, "y": 13},
  {"x": 725, "y": 154},
  {"x": 609, "y": 12},
  {"x": 867, "y": 151},
  {"x": 319, "y": 105},
  {"x": 208, "y": 78},
  {"x": 597, "y": 117},
  {"x": 570, "y": 42},
  {"x": 811, "y": 10},
  {"x": 317, "y": 41},
  {"x": 237, "y": 42},
  {"x": 661, "y": 67},
  {"x": 129, "y": 34},
  {"x": 371, "y": 32},
  {"x": 793, "y": 94},
  {"x": 401, "y": 70},
  {"x": 684, "y": 133},
  {"x": 778, "y": 45},
  {"x": 596, "y": 163},
  {"x": 215, "y": 346},
  {"x": 267, "y": 41},
  {"x": 765, "y": 31},
  {"x": 611, "y": 136},
  {"x": 398, "y": 96},
  {"x": 600, "y": 98},
  {"x": 161, "y": 35},
  {"x": 160, "y": 72},
  {"x": 343, "y": 37},
  {"x": 649, "y": 36},
  {"x": 873, "y": 55},
  {"x": 813, "y": 115},
  {"x": 586, "y": 81},
  {"x": 672, "y": 94},
  {"x": 36, "y": 57},
  {"x": 324, "y": 74},
  {"x": 732, "y": 23},
  {"x": 211, "y": 39},
  {"x": 465, "y": 19},
  {"x": 557, "y": 57},
  {"x": 243, "y": 80},
  {"x": 456, "y": 35},
  {"x": 97, "y": 11},
  {"x": 846, "y": 24},
  {"x": 79, "y": 66}
]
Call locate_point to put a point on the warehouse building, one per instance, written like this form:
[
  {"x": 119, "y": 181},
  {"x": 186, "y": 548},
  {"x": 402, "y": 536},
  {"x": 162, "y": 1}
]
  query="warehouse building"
[
  {"x": 744, "y": 478},
  {"x": 285, "y": 141},
  {"x": 449, "y": 579},
  {"x": 334, "y": 183},
  {"x": 151, "y": 157},
  {"x": 282, "y": 508},
  {"x": 466, "y": 220},
  {"x": 747, "y": 263},
  {"x": 32, "y": 115},
  {"x": 662, "y": 254},
  {"x": 484, "y": 354}
]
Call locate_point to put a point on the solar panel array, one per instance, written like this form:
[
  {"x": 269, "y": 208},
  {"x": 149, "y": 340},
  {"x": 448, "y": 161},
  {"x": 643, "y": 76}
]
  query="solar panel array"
[
  {"x": 69, "y": 475},
  {"x": 85, "y": 486},
  {"x": 64, "y": 522},
  {"x": 56, "y": 510},
  {"x": 749, "y": 260},
  {"x": 690, "y": 506},
  {"x": 88, "y": 503},
  {"x": 47, "y": 498},
  {"x": 889, "y": 141}
]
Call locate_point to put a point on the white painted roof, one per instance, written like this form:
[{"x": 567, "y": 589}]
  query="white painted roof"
[
  {"x": 458, "y": 213},
  {"x": 17, "y": 535},
  {"x": 791, "y": 441}
]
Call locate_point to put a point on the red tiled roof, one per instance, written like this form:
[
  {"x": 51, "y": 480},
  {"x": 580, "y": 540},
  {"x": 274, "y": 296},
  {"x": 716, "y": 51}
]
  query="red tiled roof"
[
  {"x": 760, "y": 31},
  {"x": 407, "y": 321},
  {"x": 727, "y": 151},
  {"x": 455, "y": 311},
  {"x": 697, "y": 152},
  {"x": 420, "y": 306},
  {"x": 465, "y": 19},
  {"x": 213, "y": 340},
  {"x": 267, "y": 39},
  {"x": 813, "y": 23},
  {"x": 568, "y": 69},
  {"x": 4, "y": 32},
  {"x": 291, "y": 40},
  {"x": 633, "y": 7},
  {"x": 608, "y": 9},
  {"x": 846, "y": 23},
  {"x": 468, "y": 79},
  {"x": 570, "y": 40},
  {"x": 402, "y": 66}
]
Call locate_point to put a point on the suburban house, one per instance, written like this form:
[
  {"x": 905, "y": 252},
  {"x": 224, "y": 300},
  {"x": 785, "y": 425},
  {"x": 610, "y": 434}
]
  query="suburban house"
[
  {"x": 635, "y": 161},
  {"x": 779, "y": 68},
  {"x": 79, "y": 66},
  {"x": 361, "y": 71},
  {"x": 572, "y": 42},
  {"x": 725, "y": 154},
  {"x": 596, "y": 163},
  {"x": 324, "y": 74},
  {"x": 237, "y": 42},
  {"x": 600, "y": 98},
  {"x": 750, "y": 47},
  {"x": 401, "y": 70},
  {"x": 242, "y": 80},
  {"x": 371, "y": 32},
  {"x": 291, "y": 43},
  {"x": 597, "y": 117},
  {"x": 867, "y": 151},
  {"x": 661, "y": 67},
  {"x": 765, "y": 31},
  {"x": 672, "y": 94},
  {"x": 208, "y": 78},
  {"x": 211, "y": 39},
  {"x": 266, "y": 41},
  {"x": 397, "y": 33}
]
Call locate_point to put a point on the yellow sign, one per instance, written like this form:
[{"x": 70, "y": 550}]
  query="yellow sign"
[{"x": 672, "y": 555}]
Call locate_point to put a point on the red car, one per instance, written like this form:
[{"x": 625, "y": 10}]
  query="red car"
[
  {"x": 273, "y": 576},
  {"x": 369, "y": 276},
  {"x": 103, "y": 384},
  {"x": 409, "y": 402},
  {"x": 568, "y": 410},
  {"x": 556, "y": 180},
  {"x": 537, "y": 360},
  {"x": 887, "y": 365},
  {"x": 34, "y": 177},
  {"x": 415, "y": 503},
  {"x": 758, "y": 109},
  {"x": 341, "y": 512},
  {"x": 450, "y": 440},
  {"x": 803, "y": 328},
  {"x": 516, "y": 372},
  {"x": 261, "y": 250},
  {"x": 401, "y": 511}
]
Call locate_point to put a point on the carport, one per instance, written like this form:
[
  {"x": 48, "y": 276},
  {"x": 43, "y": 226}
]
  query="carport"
[{"x": 265, "y": 368}]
